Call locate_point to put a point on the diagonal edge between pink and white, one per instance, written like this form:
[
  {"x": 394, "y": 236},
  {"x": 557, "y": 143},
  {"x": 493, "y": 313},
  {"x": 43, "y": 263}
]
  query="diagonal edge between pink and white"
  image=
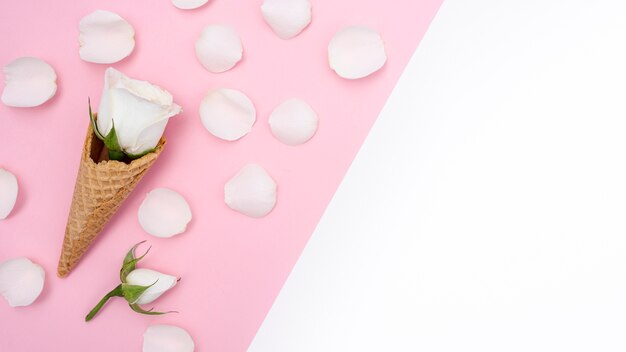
[{"x": 484, "y": 212}]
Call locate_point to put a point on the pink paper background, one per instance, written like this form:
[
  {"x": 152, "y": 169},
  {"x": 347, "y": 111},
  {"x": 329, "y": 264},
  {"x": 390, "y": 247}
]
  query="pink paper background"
[{"x": 232, "y": 267}]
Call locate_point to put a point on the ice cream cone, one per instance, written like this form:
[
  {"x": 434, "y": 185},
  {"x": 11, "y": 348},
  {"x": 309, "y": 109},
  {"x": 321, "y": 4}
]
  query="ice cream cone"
[{"x": 101, "y": 188}]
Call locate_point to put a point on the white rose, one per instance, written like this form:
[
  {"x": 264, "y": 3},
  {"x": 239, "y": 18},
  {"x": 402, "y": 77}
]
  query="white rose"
[
  {"x": 146, "y": 277},
  {"x": 138, "y": 286},
  {"x": 138, "y": 111}
]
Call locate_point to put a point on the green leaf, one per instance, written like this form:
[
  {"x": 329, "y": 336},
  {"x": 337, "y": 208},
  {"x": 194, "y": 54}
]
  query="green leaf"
[
  {"x": 130, "y": 262},
  {"x": 93, "y": 121},
  {"x": 133, "y": 292},
  {"x": 111, "y": 139},
  {"x": 116, "y": 292},
  {"x": 130, "y": 255},
  {"x": 116, "y": 155},
  {"x": 113, "y": 145},
  {"x": 138, "y": 309}
]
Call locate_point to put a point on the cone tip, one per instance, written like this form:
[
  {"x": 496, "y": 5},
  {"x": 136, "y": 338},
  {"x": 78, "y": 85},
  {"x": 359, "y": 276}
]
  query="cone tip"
[{"x": 62, "y": 272}]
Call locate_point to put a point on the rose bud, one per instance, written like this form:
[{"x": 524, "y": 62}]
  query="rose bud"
[{"x": 139, "y": 286}]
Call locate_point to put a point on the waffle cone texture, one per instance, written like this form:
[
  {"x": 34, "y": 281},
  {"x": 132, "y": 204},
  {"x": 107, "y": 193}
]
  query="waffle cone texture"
[{"x": 101, "y": 188}]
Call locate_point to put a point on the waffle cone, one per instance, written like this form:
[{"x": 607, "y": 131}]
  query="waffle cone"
[{"x": 101, "y": 188}]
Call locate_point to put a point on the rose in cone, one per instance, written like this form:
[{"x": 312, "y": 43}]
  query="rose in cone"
[
  {"x": 133, "y": 115},
  {"x": 123, "y": 141}
]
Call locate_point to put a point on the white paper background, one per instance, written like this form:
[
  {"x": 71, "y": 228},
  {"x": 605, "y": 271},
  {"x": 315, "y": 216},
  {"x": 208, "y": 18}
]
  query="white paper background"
[{"x": 486, "y": 210}]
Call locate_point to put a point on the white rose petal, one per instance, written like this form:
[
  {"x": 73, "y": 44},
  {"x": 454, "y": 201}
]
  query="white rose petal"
[
  {"x": 164, "y": 213},
  {"x": 251, "y": 192},
  {"x": 287, "y": 18},
  {"x": 105, "y": 37},
  {"x": 227, "y": 113},
  {"x": 29, "y": 82},
  {"x": 218, "y": 48},
  {"x": 189, "y": 4},
  {"x": 356, "y": 52},
  {"x": 21, "y": 281},
  {"x": 138, "y": 109},
  {"x": 8, "y": 192},
  {"x": 293, "y": 122},
  {"x": 145, "y": 277},
  {"x": 167, "y": 338}
]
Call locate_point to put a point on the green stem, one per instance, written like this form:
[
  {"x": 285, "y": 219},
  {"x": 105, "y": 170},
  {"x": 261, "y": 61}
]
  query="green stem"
[
  {"x": 116, "y": 155},
  {"x": 116, "y": 292}
]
